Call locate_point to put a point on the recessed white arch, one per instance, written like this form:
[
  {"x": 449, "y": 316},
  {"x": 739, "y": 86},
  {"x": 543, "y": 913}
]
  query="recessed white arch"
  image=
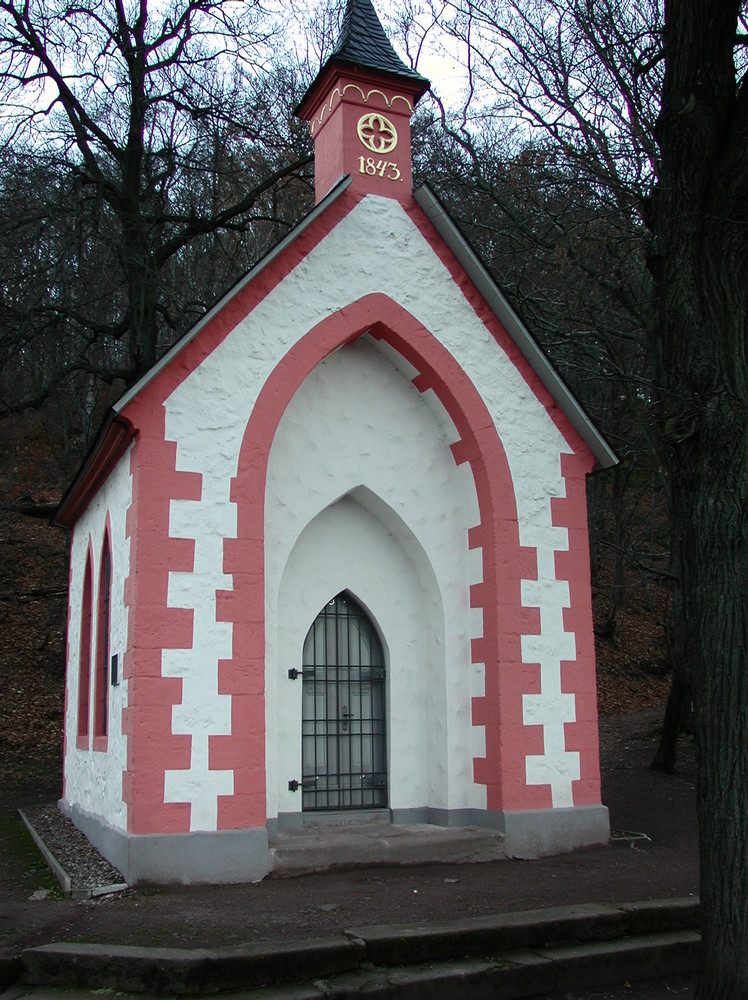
[
  {"x": 363, "y": 494},
  {"x": 347, "y": 548}
]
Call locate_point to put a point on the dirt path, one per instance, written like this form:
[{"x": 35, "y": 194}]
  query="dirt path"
[{"x": 666, "y": 865}]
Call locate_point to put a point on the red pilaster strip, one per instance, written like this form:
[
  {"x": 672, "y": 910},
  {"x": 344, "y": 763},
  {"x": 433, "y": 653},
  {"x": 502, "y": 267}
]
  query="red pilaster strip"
[
  {"x": 579, "y": 677},
  {"x": 152, "y": 748}
]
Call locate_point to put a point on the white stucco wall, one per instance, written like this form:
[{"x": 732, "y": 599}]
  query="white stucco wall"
[
  {"x": 375, "y": 248},
  {"x": 357, "y": 429},
  {"x": 93, "y": 778}
]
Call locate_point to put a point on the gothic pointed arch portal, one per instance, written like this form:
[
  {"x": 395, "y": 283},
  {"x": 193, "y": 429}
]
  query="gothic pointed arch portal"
[
  {"x": 490, "y": 597},
  {"x": 343, "y": 736},
  {"x": 359, "y": 546}
]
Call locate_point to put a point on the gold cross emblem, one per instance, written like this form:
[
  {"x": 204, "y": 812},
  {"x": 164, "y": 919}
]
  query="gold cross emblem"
[{"x": 377, "y": 133}]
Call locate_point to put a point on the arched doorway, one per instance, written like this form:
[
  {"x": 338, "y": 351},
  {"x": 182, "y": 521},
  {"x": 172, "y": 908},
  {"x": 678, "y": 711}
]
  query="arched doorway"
[{"x": 343, "y": 740}]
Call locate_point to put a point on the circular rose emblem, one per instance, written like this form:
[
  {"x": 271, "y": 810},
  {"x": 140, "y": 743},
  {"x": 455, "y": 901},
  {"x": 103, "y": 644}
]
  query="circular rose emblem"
[{"x": 377, "y": 133}]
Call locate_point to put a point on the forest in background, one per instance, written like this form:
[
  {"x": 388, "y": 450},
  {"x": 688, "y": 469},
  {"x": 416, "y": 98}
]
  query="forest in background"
[
  {"x": 125, "y": 213},
  {"x": 595, "y": 154},
  {"x": 122, "y": 219}
]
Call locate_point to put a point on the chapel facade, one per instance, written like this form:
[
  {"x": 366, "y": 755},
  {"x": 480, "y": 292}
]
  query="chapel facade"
[{"x": 330, "y": 555}]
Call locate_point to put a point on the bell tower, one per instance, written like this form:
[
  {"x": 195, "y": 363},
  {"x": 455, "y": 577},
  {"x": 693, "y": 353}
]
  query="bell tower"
[{"x": 359, "y": 109}]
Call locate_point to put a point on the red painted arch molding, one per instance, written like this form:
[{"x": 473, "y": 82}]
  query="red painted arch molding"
[{"x": 505, "y": 563}]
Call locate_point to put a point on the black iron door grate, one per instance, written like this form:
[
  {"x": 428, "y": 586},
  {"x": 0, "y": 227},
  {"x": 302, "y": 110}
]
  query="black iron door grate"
[{"x": 344, "y": 750}]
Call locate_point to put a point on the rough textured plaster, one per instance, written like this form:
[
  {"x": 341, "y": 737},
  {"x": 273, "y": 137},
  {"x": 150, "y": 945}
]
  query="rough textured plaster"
[
  {"x": 206, "y": 416},
  {"x": 358, "y": 426},
  {"x": 203, "y": 711}
]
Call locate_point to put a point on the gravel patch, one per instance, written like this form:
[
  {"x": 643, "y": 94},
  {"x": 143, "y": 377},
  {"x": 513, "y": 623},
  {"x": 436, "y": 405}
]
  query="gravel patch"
[{"x": 90, "y": 874}]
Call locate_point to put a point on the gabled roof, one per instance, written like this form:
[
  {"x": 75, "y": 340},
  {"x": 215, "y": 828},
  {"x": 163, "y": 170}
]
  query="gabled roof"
[
  {"x": 531, "y": 351},
  {"x": 363, "y": 42},
  {"x": 116, "y": 433}
]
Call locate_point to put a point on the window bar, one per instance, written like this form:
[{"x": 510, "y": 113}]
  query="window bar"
[
  {"x": 315, "y": 726},
  {"x": 364, "y": 797}
]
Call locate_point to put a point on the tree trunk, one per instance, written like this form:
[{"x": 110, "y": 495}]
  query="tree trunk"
[
  {"x": 596, "y": 487},
  {"x": 142, "y": 286},
  {"x": 700, "y": 265},
  {"x": 705, "y": 413},
  {"x": 706, "y": 408},
  {"x": 672, "y": 725},
  {"x": 715, "y": 594}
]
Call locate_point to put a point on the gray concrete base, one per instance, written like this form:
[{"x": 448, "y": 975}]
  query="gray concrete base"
[
  {"x": 286, "y": 822},
  {"x": 184, "y": 858},
  {"x": 290, "y": 843},
  {"x": 530, "y": 834},
  {"x": 537, "y": 833},
  {"x": 482, "y": 818},
  {"x": 398, "y": 817}
]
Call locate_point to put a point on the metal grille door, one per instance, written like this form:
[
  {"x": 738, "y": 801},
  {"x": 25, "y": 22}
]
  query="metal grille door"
[{"x": 343, "y": 740}]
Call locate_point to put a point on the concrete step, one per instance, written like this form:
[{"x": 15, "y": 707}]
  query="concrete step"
[
  {"x": 188, "y": 971},
  {"x": 516, "y": 974},
  {"x": 511, "y": 955},
  {"x": 396, "y": 944},
  {"x": 321, "y": 847}
]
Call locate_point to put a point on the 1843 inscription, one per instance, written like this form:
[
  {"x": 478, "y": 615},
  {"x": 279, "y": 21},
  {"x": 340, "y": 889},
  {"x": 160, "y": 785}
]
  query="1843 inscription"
[{"x": 379, "y": 135}]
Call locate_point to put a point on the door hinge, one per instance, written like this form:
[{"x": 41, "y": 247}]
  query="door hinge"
[{"x": 307, "y": 783}]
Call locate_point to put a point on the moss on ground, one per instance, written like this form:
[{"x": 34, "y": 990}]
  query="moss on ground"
[{"x": 26, "y": 865}]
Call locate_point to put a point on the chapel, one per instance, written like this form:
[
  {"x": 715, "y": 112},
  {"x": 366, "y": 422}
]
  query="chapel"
[{"x": 329, "y": 556}]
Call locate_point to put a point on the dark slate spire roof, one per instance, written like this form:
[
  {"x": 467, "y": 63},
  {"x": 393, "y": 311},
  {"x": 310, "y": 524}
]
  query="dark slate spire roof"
[{"x": 364, "y": 43}]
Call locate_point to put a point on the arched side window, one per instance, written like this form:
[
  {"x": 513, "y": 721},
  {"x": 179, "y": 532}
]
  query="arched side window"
[
  {"x": 84, "y": 663},
  {"x": 101, "y": 686}
]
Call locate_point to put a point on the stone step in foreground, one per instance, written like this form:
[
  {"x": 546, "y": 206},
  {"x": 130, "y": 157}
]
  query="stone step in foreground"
[{"x": 509, "y": 955}]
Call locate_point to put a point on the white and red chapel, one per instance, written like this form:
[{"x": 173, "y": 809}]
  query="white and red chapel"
[{"x": 330, "y": 555}]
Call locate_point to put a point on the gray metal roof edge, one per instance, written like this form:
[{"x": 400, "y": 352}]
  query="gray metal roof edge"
[
  {"x": 260, "y": 266},
  {"x": 536, "y": 358}
]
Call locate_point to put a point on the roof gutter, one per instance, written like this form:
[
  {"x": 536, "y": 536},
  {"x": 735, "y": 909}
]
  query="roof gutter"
[{"x": 111, "y": 444}]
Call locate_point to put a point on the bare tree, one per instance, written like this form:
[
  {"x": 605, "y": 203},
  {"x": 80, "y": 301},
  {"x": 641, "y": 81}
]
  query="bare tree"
[
  {"x": 158, "y": 144},
  {"x": 648, "y": 103},
  {"x": 699, "y": 221},
  {"x": 569, "y": 261}
]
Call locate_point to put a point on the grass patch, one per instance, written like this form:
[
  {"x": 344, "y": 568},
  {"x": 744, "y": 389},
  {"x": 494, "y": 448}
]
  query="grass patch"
[{"x": 28, "y": 869}]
